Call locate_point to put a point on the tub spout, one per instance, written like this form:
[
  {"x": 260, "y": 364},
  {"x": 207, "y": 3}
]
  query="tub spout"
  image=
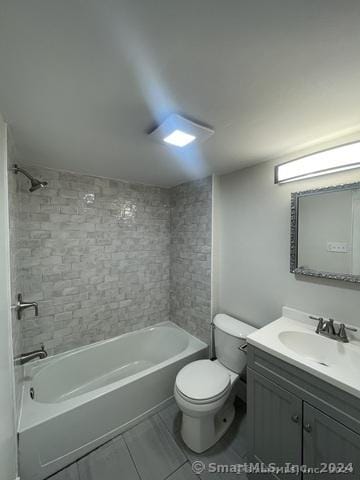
[{"x": 27, "y": 357}]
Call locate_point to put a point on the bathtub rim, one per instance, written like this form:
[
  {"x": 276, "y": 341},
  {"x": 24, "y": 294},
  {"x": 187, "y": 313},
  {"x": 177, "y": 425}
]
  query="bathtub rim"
[
  {"x": 30, "y": 416},
  {"x": 39, "y": 364}
]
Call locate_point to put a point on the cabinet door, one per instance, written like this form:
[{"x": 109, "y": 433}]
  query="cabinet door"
[
  {"x": 274, "y": 423},
  {"x": 327, "y": 441}
]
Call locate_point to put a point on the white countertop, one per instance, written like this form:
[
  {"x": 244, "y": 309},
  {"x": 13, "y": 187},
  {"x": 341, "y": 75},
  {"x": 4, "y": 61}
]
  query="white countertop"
[{"x": 292, "y": 338}]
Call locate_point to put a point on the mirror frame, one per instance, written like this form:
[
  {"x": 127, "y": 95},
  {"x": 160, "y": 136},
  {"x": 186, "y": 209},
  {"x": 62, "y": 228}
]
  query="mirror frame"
[{"x": 295, "y": 197}]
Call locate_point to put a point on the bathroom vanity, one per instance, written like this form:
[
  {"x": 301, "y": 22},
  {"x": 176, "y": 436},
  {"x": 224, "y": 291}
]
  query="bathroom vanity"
[{"x": 303, "y": 400}]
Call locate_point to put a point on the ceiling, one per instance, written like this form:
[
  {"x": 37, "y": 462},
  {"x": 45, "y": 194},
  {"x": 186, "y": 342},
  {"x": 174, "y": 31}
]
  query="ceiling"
[{"x": 82, "y": 81}]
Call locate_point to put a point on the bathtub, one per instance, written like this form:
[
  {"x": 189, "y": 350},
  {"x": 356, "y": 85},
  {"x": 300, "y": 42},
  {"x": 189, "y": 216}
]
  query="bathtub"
[{"x": 85, "y": 397}]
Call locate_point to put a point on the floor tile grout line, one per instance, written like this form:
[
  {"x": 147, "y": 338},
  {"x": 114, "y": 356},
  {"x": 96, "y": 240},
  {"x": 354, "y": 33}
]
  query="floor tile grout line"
[
  {"x": 166, "y": 428},
  {"x": 174, "y": 438},
  {"x": 162, "y": 421},
  {"x": 239, "y": 457},
  {"x": 237, "y": 453},
  {"x": 188, "y": 459},
  {"x": 132, "y": 458},
  {"x": 176, "y": 443},
  {"x": 176, "y": 469},
  {"x": 78, "y": 470}
]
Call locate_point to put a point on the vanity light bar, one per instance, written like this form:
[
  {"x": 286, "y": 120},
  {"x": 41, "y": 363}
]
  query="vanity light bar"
[{"x": 337, "y": 159}]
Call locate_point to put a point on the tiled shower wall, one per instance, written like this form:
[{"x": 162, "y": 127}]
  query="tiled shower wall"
[
  {"x": 95, "y": 253},
  {"x": 190, "y": 256}
]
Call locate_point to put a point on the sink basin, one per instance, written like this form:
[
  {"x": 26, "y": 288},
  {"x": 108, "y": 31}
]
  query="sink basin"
[
  {"x": 321, "y": 350},
  {"x": 311, "y": 346}
]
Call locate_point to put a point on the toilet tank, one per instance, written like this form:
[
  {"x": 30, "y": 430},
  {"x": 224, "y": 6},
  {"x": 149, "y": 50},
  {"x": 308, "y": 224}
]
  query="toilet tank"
[{"x": 229, "y": 335}]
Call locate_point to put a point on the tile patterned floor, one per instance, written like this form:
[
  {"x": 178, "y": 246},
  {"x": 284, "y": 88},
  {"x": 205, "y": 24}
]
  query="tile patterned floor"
[{"x": 154, "y": 450}]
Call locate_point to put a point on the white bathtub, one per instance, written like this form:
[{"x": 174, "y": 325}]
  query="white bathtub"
[{"x": 89, "y": 395}]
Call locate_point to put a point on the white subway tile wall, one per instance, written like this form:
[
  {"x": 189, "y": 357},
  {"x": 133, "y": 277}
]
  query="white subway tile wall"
[
  {"x": 95, "y": 253},
  {"x": 190, "y": 256}
]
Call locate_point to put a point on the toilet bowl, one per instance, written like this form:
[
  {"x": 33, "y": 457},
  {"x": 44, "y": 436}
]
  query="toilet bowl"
[{"x": 204, "y": 389}]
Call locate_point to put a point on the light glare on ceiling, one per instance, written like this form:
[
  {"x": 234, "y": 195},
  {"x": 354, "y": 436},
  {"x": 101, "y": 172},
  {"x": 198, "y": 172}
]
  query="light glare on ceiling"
[
  {"x": 179, "y": 138},
  {"x": 344, "y": 157}
]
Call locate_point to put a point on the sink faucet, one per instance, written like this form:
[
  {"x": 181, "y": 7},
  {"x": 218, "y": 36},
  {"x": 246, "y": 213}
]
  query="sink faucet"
[
  {"x": 327, "y": 328},
  {"x": 20, "y": 306},
  {"x": 342, "y": 332},
  {"x": 27, "y": 357},
  {"x": 320, "y": 324}
]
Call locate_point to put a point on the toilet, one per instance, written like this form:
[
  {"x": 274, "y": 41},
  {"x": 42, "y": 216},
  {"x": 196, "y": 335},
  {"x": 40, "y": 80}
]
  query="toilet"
[{"x": 204, "y": 389}]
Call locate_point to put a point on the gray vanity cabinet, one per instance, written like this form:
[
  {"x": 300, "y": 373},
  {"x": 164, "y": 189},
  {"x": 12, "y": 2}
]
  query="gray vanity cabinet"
[
  {"x": 327, "y": 441},
  {"x": 275, "y": 428},
  {"x": 295, "y": 418}
]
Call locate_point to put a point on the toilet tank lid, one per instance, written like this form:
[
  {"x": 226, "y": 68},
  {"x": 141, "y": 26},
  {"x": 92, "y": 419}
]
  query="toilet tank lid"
[{"x": 232, "y": 326}]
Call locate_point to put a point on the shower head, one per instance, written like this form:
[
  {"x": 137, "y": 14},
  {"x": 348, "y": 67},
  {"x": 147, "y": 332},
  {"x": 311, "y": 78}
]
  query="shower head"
[{"x": 35, "y": 183}]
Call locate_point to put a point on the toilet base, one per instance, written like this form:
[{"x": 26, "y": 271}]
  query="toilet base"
[{"x": 201, "y": 433}]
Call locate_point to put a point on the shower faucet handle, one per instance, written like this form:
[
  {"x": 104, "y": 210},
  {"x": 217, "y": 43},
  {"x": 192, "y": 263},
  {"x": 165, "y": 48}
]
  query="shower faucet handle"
[{"x": 20, "y": 306}]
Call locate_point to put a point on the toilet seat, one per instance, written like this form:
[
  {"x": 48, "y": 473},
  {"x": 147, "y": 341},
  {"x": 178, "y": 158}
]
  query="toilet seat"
[
  {"x": 202, "y": 381},
  {"x": 205, "y": 401}
]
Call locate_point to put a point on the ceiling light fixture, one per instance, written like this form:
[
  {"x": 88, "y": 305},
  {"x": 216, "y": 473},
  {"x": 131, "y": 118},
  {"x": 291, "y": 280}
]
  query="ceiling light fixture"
[
  {"x": 179, "y": 131},
  {"x": 179, "y": 138},
  {"x": 337, "y": 159}
]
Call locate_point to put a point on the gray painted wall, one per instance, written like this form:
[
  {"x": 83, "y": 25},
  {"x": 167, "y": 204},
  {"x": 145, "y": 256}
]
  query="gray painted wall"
[
  {"x": 253, "y": 252},
  {"x": 190, "y": 256}
]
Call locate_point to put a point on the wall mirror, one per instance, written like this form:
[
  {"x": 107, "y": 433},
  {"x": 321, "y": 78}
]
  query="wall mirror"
[{"x": 325, "y": 232}]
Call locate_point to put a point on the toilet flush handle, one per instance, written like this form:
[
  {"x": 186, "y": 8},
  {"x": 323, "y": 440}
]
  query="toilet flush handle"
[{"x": 243, "y": 348}]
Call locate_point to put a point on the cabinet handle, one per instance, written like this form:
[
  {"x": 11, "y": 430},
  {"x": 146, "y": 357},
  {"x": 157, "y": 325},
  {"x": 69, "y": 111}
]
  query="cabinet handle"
[
  {"x": 295, "y": 418},
  {"x": 307, "y": 427}
]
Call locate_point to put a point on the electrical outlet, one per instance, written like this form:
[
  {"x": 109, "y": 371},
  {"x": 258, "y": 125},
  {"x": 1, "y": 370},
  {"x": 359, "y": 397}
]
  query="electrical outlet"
[{"x": 337, "y": 247}]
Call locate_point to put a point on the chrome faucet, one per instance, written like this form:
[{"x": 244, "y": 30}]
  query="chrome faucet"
[
  {"x": 27, "y": 357},
  {"x": 342, "y": 332},
  {"x": 20, "y": 306},
  {"x": 320, "y": 324},
  {"x": 329, "y": 329}
]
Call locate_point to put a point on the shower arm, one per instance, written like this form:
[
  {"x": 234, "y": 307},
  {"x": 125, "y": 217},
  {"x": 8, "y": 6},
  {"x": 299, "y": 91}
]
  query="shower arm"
[
  {"x": 16, "y": 169},
  {"x": 35, "y": 183}
]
